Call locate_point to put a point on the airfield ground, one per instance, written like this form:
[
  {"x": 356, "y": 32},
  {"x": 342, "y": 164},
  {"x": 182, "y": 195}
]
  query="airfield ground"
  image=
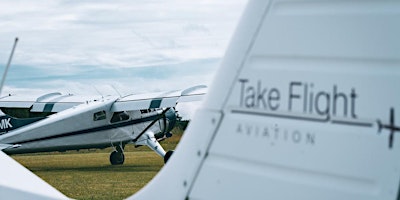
[{"x": 87, "y": 174}]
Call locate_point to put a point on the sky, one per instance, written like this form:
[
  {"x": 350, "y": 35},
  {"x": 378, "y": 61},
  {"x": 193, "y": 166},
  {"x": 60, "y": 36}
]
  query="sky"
[{"x": 87, "y": 47}]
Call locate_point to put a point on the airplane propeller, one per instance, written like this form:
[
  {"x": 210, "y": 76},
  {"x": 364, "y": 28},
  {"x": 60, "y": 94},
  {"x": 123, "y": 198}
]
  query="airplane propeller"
[{"x": 151, "y": 124}]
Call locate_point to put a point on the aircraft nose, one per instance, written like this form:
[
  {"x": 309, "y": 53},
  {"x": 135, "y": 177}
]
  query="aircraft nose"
[{"x": 171, "y": 116}]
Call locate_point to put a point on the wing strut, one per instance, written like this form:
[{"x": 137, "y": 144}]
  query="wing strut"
[
  {"x": 147, "y": 138},
  {"x": 8, "y": 65}
]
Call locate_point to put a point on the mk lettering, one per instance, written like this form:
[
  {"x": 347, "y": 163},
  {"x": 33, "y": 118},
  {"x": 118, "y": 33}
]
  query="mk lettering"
[{"x": 5, "y": 123}]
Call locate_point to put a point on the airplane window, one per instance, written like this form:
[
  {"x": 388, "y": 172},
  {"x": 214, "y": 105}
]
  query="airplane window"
[
  {"x": 99, "y": 115},
  {"x": 119, "y": 116},
  {"x": 147, "y": 110}
]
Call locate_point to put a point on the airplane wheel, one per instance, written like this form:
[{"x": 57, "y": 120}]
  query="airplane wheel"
[
  {"x": 167, "y": 156},
  {"x": 117, "y": 158}
]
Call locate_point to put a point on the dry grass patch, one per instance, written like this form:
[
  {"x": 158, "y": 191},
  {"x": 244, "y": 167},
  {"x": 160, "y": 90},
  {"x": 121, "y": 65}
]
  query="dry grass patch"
[{"x": 89, "y": 174}]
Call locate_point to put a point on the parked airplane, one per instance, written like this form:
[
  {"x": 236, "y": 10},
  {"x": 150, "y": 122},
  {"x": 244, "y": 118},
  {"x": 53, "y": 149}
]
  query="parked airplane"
[
  {"x": 75, "y": 122},
  {"x": 57, "y": 122}
]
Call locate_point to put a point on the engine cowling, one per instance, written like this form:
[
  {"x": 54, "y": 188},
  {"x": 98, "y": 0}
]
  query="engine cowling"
[{"x": 168, "y": 122}]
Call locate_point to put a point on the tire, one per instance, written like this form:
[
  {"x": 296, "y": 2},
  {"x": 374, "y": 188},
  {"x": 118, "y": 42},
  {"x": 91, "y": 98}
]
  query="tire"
[
  {"x": 167, "y": 156},
  {"x": 117, "y": 158}
]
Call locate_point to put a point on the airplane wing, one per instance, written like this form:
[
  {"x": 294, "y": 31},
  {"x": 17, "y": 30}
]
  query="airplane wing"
[
  {"x": 56, "y": 102},
  {"x": 159, "y": 100},
  {"x": 51, "y": 102}
]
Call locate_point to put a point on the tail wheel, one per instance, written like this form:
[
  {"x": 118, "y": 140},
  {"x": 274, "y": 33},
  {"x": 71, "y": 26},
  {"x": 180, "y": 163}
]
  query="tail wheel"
[
  {"x": 167, "y": 156},
  {"x": 117, "y": 158}
]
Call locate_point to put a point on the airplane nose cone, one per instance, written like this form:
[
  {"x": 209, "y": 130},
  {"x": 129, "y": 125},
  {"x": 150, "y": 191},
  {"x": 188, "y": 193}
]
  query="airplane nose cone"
[{"x": 170, "y": 115}]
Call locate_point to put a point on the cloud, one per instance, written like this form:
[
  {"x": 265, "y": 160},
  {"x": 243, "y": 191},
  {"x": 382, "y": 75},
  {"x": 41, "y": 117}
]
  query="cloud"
[
  {"x": 117, "y": 33},
  {"x": 129, "y": 80},
  {"x": 141, "y": 45}
]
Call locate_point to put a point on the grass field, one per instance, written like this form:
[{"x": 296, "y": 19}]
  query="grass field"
[{"x": 89, "y": 175}]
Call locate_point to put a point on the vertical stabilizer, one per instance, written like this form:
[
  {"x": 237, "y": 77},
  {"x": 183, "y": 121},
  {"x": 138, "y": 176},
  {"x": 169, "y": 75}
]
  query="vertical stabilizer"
[{"x": 303, "y": 107}]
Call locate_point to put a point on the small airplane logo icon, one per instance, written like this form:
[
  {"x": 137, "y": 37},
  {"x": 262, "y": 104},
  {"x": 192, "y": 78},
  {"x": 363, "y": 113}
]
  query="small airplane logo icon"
[{"x": 391, "y": 126}]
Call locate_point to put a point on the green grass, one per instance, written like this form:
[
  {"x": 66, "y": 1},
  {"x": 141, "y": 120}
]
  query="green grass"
[{"x": 89, "y": 175}]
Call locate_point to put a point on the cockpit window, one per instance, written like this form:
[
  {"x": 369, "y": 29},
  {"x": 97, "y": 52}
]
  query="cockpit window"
[
  {"x": 119, "y": 116},
  {"x": 148, "y": 110},
  {"x": 99, "y": 115}
]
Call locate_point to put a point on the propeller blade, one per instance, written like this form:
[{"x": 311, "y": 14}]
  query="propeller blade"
[{"x": 151, "y": 124}]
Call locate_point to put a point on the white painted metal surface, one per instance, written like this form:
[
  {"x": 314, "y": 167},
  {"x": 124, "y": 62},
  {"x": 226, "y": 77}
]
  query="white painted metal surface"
[
  {"x": 17, "y": 182},
  {"x": 304, "y": 106}
]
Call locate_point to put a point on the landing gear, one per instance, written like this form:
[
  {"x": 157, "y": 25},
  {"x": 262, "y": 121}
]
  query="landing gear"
[
  {"x": 117, "y": 157},
  {"x": 167, "y": 156}
]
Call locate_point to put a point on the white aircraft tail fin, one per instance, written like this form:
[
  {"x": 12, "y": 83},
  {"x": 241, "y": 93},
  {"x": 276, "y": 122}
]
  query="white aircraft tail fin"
[
  {"x": 302, "y": 107},
  {"x": 17, "y": 182}
]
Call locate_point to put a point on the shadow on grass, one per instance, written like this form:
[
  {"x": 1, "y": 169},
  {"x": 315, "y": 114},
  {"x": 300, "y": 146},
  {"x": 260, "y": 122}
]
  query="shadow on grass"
[{"x": 109, "y": 168}]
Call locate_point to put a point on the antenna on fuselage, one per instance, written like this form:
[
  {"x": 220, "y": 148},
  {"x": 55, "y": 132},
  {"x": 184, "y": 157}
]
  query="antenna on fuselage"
[
  {"x": 98, "y": 91},
  {"x": 116, "y": 90},
  {"x": 8, "y": 65}
]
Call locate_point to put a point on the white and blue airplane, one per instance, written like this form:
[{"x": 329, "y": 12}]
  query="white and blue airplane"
[{"x": 57, "y": 122}]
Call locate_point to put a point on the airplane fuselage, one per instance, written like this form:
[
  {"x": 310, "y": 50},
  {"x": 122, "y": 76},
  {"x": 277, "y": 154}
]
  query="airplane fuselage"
[{"x": 89, "y": 125}]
